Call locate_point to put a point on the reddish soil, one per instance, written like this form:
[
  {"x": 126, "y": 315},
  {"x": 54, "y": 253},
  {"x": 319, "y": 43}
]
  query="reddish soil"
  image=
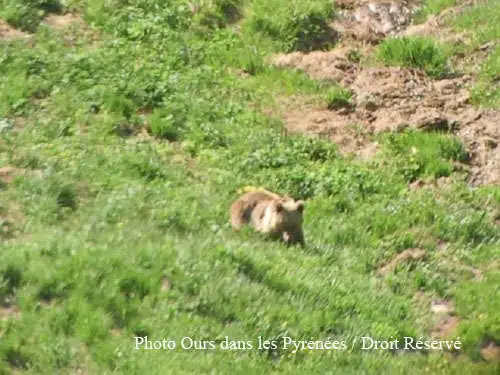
[{"x": 393, "y": 98}]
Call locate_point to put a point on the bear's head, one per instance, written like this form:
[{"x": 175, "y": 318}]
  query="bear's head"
[{"x": 287, "y": 215}]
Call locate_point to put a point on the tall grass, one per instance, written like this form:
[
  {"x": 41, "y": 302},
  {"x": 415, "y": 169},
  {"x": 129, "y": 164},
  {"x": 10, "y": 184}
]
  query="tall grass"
[{"x": 414, "y": 52}]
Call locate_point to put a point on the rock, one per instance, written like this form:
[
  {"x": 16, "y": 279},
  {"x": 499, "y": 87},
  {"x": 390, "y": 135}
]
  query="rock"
[{"x": 371, "y": 21}]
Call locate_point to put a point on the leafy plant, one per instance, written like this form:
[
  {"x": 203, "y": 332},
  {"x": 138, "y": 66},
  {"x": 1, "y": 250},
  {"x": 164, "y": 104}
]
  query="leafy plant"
[
  {"x": 27, "y": 14},
  {"x": 338, "y": 97},
  {"x": 422, "y": 154},
  {"x": 168, "y": 122},
  {"x": 296, "y": 25}
]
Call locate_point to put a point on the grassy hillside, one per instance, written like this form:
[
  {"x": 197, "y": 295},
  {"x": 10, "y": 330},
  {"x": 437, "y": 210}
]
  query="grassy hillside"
[{"x": 127, "y": 138}]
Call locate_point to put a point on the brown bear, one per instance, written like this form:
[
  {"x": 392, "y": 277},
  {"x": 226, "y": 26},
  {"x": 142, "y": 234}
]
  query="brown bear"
[{"x": 269, "y": 213}]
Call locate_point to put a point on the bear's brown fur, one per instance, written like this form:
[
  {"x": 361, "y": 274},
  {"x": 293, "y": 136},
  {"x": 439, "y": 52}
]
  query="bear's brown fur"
[{"x": 271, "y": 214}]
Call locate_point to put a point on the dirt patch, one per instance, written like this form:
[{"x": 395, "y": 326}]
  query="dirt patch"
[
  {"x": 339, "y": 128},
  {"x": 482, "y": 135},
  {"x": 446, "y": 326},
  {"x": 11, "y": 220},
  {"x": 373, "y": 20},
  {"x": 406, "y": 256},
  {"x": 394, "y": 98},
  {"x": 304, "y": 115},
  {"x": 9, "y": 312},
  {"x": 7, "y": 174},
  {"x": 440, "y": 183},
  {"x": 73, "y": 29},
  {"x": 471, "y": 61},
  {"x": 442, "y": 321},
  {"x": 165, "y": 285},
  {"x": 446, "y": 322},
  {"x": 62, "y": 21},
  {"x": 339, "y": 64},
  {"x": 8, "y": 32},
  {"x": 116, "y": 332},
  {"x": 433, "y": 30},
  {"x": 491, "y": 351},
  {"x": 441, "y": 306}
]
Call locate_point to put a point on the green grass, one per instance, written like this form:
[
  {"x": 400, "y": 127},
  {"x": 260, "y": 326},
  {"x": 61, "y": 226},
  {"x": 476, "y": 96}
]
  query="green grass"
[
  {"x": 414, "y": 52},
  {"x": 337, "y": 97},
  {"x": 27, "y": 14},
  {"x": 432, "y": 7},
  {"x": 293, "y": 25},
  {"x": 482, "y": 23},
  {"x": 487, "y": 91},
  {"x": 130, "y": 150},
  {"x": 217, "y": 14},
  {"x": 418, "y": 154}
]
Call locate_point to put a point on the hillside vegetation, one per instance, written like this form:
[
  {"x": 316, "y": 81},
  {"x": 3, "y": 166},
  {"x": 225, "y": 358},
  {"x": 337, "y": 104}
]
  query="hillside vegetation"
[{"x": 124, "y": 138}]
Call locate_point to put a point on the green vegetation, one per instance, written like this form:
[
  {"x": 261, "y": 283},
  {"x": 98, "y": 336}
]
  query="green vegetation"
[
  {"x": 338, "y": 97},
  {"x": 414, "y": 52},
  {"x": 481, "y": 22},
  {"x": 293, "y": 25},
  {"x": 216, "y": 14},
  {"x": 27, "y": 14},
  {"x": 487, "y": 90},
  {"x": 129, "y": 148},
  {"x": 417, "y": 154},
  {"x": 432, "y": 7}
]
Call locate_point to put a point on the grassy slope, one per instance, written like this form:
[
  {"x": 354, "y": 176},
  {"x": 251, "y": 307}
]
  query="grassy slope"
[
  {"x": 479, "y": 25},
  {"x": 96, "y": 222},
  {"x": 482, "y": 22}
]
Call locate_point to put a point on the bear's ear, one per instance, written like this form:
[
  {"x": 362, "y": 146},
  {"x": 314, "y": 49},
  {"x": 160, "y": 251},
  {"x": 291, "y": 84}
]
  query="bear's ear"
[
  {"x": 300, "y": 206},
  {"x": 279, "y": 207}
]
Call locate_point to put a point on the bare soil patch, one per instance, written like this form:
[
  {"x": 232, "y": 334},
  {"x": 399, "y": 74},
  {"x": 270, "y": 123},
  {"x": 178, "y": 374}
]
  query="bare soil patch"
[
  {"x": 442, "y": 322},
  {"x": 441, "y": 182},
  {"x": 339, "y": 64},
  {"x": 393, "y": 98},
  {"x": 72, "y": 28},
  {"x": 116, "y": 332},
  {"x": 62, "y": 21},
  {"x": 442, "y": 306},
  {"x": 7, "y": 174},
  {"x": 491, "y": 351},
  {"x": 443, "y": 312},
  {"x": 9, "y": 32},
  {"x": 165, "y": 285},
  {"x": 446, "y": 326},
  {"x": 340, "y": 128},
  {"x": 482, "y": 135},
  {"x": 406, "y": 256},
  {"x": 8, "y": 312}
]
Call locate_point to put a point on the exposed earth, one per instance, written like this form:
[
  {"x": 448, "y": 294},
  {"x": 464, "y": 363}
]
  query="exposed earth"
[{"x": 393, "y": 98}]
